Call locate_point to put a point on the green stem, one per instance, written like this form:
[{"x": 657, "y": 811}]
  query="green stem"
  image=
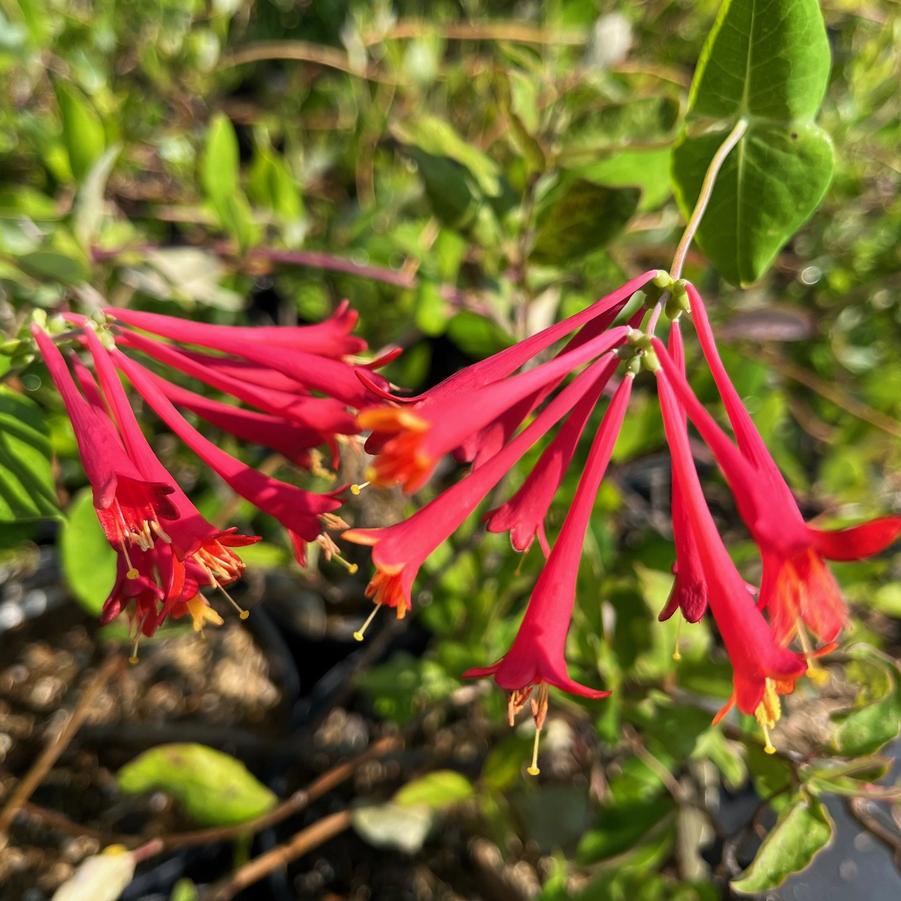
[{"x": 707, "y": 186}]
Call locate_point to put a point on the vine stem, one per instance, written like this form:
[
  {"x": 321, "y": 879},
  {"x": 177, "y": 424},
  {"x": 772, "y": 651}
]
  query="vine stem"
[
  {"x": 707, "y": 186},
  {"x": 697, "y": 214}
]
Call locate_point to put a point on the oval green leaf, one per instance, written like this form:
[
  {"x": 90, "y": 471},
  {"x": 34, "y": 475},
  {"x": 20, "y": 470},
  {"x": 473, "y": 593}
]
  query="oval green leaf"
[
  {"x": 88, "y": 561},
  {"x": 803, "y": 830},
  {"x": 213, "y": 788}
]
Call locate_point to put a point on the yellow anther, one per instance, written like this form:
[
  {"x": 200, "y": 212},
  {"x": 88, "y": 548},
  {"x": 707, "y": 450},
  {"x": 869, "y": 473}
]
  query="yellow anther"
[
  {"x": 360, "y": 634},
  {"x": 155, "y": 525},
  {"x": 769, "y": 747},
  {"x": 201, "y": 613},
  {"x": 677, "y": 653},
  {"x": 767, "y": 714},
  {"x": 132, "y": 574},
  {"x": 357, "y": 488}
]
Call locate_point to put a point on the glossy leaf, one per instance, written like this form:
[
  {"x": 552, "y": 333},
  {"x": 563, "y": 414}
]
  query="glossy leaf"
[
  {"x": 802, "y": 831},
  {"x": 213, "y": 788},
  {"x": 82, "y": 130},
  {"x": 767, "y": 188},
  {"x": 88, "y": 561},
  {"x": 26, "y": 481},
  {"x": 764, "y": 58},
  {"x": 767, "y": 63}
]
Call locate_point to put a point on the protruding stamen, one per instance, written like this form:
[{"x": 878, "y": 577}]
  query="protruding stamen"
[
  {"x": 769, "y": 747},
  {"x": 533, "y": 769},
  {"x": 358, "y": 487},
  {"x": 242, "y": 613},
  {"x": 360, "y": 634},
  {"x": 677, "y": 653},
  {"x": 133, "y": 658},
  {"x": 202, "y": 613},
  {"x": 815, "y": 672}
]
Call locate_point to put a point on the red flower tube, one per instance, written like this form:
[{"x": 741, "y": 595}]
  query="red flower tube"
[
  {"x": 400, "y": 550},
  {"x": 299, "y": 511},
  {"x": 762, "y": 669},
  {"x": 536, "y": 658},
  {"x": 412, "y": 441}
]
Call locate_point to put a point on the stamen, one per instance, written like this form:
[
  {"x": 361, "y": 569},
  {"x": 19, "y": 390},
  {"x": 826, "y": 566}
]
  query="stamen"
[
  {"x": 242, "y": 613},
  {"x": 155, "y": 525},
  {"x": 333, "y": 521},
  {"x": 133, "y": 659},
  {"x": 677, "y": 654},
  {"x": 815, "y": 673},
  {"x": 769, "y": 747},
  {"x": 361, "y": 632},
  {"x": 131, "y": 573},
  {"x": 533, "y": 769},
  {"x": 358, "y": 487}
]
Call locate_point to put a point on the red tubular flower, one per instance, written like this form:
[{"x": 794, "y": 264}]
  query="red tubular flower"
[
  {"x": 412, "y": 441},
  {"x": 329, "y": 338},
  {"x": 292, "y": 440},
  {"x": 332, "y": 377},
  {"x": 400, "y": 550},
  {"x": 762, "y": 669},
  {"x": 689, "y": 593},
  {"x": 523, "y": 515},
  {"x": 323, "y": 414},
  {"x": 128, "y": 504},
  {"x": 536, "y": 658},
  {"x": 797, "y": 588},
  {"x": 190, "y": 546},
  {"x": 300, "y": 512}
]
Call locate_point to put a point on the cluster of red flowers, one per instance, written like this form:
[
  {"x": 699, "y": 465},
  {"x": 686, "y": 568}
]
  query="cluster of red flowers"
[
  {"x": 298, "y": 389},
  {"x": 477, "y": 414},
  {"x": 302, "y": 388}
]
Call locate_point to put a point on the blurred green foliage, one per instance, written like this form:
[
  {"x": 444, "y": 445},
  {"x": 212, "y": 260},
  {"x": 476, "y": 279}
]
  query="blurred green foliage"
[{"x": 464, "y": 179}]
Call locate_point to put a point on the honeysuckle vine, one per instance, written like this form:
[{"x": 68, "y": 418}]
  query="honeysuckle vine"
[{"x": 299, "y": 390}]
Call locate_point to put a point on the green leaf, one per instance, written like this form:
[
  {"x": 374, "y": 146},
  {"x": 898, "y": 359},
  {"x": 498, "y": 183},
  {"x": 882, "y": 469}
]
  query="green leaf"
[
  {"x": 577, "y": 217},
  {"x": 82, "y": 130},
  {"x": 213, "y": 788},
  {"x": 437, "y": 790},
  {"x": 271, "y": 184},
  {"x": 26, "y": 481},
  {"x": 88, "y": 561},
  {"x": 184, "y": 890},
  {"x": 768, "y": 187},
  {"x": 647, "y": 169},
  {"x": 477, "y": 336},
  {"x": 768, "y": 64},
  {"x": 763, "y": 58},
  {"x": 219, "y": 172},
  {"x": 393, "y": 825},
  {"x": 437, "y": 138},
  {"x": 54, "y": 266},
  {"x": 803, "y": 829},
  {"x": 89, "y": 202},
  {"x": 621, "y": 826}
]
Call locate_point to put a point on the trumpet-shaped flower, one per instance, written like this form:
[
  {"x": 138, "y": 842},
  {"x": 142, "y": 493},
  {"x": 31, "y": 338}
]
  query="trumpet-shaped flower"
[
  {"x": 536, "y": 658},
  {"x": 797, "y": 588},
  {"x": 300, "y": 512},
  {"x": 762, "y": 668},
  {"x": 401, "y": 549},
  {"x": 412, "y": 441}
]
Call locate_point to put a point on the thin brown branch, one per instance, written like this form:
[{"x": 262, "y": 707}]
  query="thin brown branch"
[
  {"x": 302, "y": 52},
  {"x": 280, "y": 856},
  {"x": 510, "y": 32},
  {"x": 55, "y": 747}
]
